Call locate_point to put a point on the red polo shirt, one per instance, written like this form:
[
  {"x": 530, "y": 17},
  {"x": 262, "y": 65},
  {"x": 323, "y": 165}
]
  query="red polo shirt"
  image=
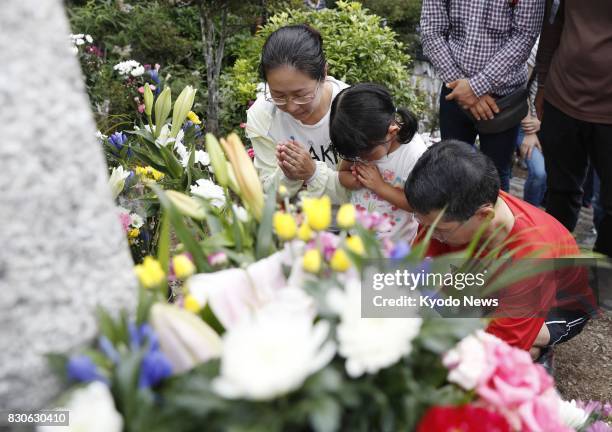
[{"x": 534, "y": 231}]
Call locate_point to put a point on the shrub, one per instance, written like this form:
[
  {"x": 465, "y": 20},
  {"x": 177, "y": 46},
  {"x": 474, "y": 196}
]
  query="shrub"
[{"x": 357, "y": 46}]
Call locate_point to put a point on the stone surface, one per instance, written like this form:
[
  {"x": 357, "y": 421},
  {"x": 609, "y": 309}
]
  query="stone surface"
[{"x": 62, "y": 251}]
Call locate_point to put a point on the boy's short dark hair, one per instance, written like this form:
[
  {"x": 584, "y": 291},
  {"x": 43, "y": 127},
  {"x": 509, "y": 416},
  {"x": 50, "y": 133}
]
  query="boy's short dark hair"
[{"x": 453, "y": 175}]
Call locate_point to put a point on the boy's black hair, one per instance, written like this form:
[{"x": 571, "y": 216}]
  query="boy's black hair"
[
  {"x": 299, "y": 46},
  {"x": 454, "y": 175},
  {"x": 360, "y": 117}
]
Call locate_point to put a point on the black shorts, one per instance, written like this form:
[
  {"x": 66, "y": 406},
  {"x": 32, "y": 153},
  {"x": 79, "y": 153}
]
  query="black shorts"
[{"x": 565, "y": 324}]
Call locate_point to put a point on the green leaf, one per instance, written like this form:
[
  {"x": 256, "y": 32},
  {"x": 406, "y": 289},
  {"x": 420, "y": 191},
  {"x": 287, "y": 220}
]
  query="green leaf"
[
  {"x": 325, "y": 415},
  {"x": 163, "y": 248},
  {"x": 174, "y": 166},
  {"x": 183, "y": 233},
  {"x": 264, "y": 233}
]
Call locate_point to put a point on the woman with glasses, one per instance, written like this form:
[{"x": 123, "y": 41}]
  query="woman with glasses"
[
  {"x": 379, "y": 146},
  {"x": 288, "y": 125}
]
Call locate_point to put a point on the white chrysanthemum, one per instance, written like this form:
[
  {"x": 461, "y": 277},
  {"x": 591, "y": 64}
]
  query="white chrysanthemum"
[
  {"x": 572, "y": 415},
  {"x": 209, "y": 190},
  {"x": 369, "y": 344},
  {"x": 137, "y": 71},
  {"x": 92, "y": 409},
  {"x": 137, "y": 221},
  {"x": 241, "y": 213},
  {"x": 88, "y": 38},
  {"x": 125, "y": 67},
  {"x": 271, "y": 355}
]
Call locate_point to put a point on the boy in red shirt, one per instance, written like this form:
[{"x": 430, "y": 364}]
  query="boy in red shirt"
[{"x": 454, "y": 177}]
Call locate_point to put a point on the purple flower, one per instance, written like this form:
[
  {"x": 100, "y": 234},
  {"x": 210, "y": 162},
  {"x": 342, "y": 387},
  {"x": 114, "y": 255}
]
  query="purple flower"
[
  {"x": 82, "y": 368},
  {"x": 400, "y": 250},
  {"x": 599, "y": 426},
  {"x": 154, "y": 368}
]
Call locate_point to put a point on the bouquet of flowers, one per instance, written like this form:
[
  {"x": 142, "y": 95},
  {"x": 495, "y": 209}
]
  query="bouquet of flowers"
[{"x": 266, "y": 331}]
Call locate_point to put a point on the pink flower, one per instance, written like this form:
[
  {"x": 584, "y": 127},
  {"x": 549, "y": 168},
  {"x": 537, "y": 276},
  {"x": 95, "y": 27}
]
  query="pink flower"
[
  {"x": 329, "y": 243},
  {"x": 243, "y": 125},
  {"x": 217, "y": 258},
  {"x": 126, "y": 221},
  {"x": 469, "y": 363},
  {"x": 541, "y": 414},
  {"x": 515, "y": 379},
  {"x": 141, "y": 108},
  {"x": 251, "y": 152}
]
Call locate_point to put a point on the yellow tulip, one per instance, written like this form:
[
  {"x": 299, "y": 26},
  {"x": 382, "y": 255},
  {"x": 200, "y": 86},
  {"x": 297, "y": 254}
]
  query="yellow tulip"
[
  {"x": 340, "y": 261},
  {"x": 150, "y": 272},
  {"x": 186, "y": 205},
  {"x": 217, "y": 160},
  {"x": 304, "y": 232},
  {"x": 311, "y": 261},
  {"x": 163, "y": 105},
  {"x": 183, "y": 266},
  {"x": 355, "y": 245},
  {"x": 194, "y": 118},
  {"x": 191, "y": 304},
  {"x": 318, "y": 212},
  {"x": 346, "y": 216},
  {"x": 246, "y": 176},
  {"x": 284, "y": 225}
]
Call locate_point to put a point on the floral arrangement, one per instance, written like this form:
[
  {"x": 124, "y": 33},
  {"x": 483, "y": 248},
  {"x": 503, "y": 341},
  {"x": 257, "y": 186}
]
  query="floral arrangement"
[{"x": 265, "y": 331}]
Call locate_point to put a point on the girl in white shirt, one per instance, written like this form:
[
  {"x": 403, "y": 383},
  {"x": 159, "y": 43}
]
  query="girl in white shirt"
[
  {"x": 288, "y": 124},
  {"x": 379, "y": 145}
]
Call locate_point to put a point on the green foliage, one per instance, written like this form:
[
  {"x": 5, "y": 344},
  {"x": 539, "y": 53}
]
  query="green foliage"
[
  {"x": 402, "y": 16},
  {"x": 357, "y": 46}
]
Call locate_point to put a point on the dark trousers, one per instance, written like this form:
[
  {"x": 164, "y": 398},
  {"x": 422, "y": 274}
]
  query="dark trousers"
[
  {"x": 455, "y": 124},
  {"x": 568, "y": 145}
]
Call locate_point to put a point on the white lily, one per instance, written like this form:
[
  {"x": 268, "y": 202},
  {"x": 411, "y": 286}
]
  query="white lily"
[{"x": 116, "y": 182}]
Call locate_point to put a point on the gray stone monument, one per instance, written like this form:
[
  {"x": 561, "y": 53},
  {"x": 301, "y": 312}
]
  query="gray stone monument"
[{"x": 62, "y": 251}]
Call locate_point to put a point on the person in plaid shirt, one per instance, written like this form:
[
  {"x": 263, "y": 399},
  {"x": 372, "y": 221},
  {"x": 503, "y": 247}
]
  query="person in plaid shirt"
[{"x": 480, "y": 48}]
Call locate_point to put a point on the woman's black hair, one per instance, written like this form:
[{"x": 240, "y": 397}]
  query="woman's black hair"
[
  {"x": 299, "y": 46},
  {"x": 360, "y": 117}
]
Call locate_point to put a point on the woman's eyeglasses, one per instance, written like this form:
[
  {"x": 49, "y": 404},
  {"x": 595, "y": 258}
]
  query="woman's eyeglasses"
[{"x": 298, "y": 100}]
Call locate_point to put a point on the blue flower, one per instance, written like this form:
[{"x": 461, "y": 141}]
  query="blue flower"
[
  {"x": 400, "y": 250},
  {"x": 154, "y": 74},
  {"x": 117, "y": 140},
  {"x": 108, "y": 349},
  {"x": 154, "y": 368},
  {"x": 82, "y": 368},
  {"x": 142, "y": 335}
]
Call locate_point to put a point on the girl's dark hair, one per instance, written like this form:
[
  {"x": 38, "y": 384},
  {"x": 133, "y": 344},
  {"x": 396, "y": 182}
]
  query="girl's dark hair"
[
  {"x": 360, "y": 117},
  {"x": 299, "y": 46}
]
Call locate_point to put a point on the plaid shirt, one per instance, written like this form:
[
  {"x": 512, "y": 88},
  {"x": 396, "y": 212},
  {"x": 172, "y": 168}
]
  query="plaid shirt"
[{"x": 486, "y": 41}]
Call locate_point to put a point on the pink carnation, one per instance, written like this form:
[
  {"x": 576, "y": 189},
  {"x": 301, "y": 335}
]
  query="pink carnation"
[
  {"x": 515, "y": 378},
  {"x": 507, "y": 381},
  {"x": 126, "y": 221}
]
